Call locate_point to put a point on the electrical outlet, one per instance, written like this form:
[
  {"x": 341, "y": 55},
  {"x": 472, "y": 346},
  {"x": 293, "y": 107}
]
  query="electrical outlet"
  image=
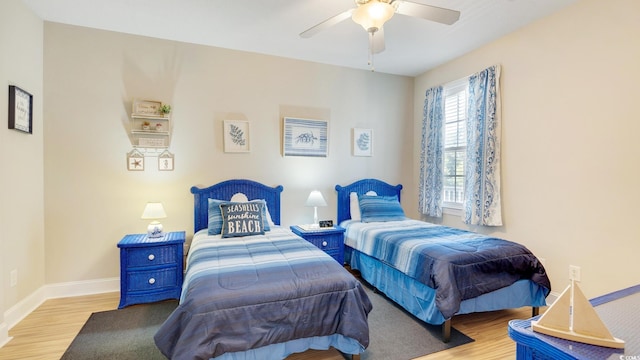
[
  {"x": 14, "y": 277},
  {"x": 574, "y": 272}
]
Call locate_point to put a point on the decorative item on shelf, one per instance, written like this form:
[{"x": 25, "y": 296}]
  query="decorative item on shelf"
[
  {"x": 165, "y": 109},
  {"x": 165, "y": 161},
  {"x": 146, "y": 108},
  {"x": 158, "y": 127},
  {"x": 315, "y": 199},
  {"x": 154, "y": 211},
  {"x": 135, "y": 160},
  {"x": 146, "y": 125}
]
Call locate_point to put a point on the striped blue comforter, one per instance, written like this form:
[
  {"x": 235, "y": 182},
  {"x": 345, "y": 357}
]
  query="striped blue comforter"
[
  {"x": 458, "y": 264},
  {"x": 248, "y": 292}
]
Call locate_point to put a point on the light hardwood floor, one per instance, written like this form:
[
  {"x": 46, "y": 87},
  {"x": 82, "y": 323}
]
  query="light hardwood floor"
[{"x": 47, "y": 332}]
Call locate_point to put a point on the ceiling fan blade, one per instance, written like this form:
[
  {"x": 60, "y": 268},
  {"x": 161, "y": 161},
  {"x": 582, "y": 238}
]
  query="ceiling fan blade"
[
  {"x": 428, "y": 12},
  {"x": 326, "y": 24},
  {"x": 376, "y": 41}
]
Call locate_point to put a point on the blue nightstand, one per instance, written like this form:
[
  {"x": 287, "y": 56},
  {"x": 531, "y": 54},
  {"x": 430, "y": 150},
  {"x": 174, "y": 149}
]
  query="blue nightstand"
[
  {"x": 151, "y": 269},
  {"x": 329, "y": 240}
]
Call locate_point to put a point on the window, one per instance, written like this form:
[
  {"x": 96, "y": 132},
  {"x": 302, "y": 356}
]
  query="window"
[{"x": 455, "y": 143}]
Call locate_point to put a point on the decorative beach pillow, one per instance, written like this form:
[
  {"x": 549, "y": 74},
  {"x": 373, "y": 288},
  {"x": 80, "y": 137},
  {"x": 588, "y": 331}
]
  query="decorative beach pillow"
[
  {"x": 242, "y": 219},
  {"x": 380, "y": 208},
  {"x": 215, "y": 216}
]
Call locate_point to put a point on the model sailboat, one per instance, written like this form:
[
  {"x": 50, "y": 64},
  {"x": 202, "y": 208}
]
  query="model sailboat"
[{"x": 572, "y": 317}]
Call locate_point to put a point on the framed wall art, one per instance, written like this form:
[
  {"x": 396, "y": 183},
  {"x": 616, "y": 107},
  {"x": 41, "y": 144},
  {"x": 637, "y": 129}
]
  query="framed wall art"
[
  {"x": 135, "y": 161},
  {"x": 146, "y": 108},
  {"x": 165, "y": 161},
  {"x": 362, "y": 142},
  {"x": 20, "y": 110},
  {"x": 236, "y": 136},
  {"x": 305, "y": 137}
]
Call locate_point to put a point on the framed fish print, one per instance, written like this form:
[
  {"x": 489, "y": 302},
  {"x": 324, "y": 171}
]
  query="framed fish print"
[{"x": 305, "y": 137}]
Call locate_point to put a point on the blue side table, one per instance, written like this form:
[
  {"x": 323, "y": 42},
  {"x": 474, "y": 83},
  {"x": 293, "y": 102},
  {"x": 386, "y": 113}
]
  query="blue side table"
[
  {"x": 151, "y": 269},
  {"x": 329, "y": 240}
]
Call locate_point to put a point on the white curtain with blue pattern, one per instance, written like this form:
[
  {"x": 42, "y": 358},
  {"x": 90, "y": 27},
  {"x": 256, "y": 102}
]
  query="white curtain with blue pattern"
[
  {"x": 431, "y": 156},
  {"x": 482, "y": 163}
]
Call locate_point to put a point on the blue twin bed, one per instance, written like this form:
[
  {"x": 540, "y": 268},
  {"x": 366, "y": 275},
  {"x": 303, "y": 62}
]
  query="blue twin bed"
[
  {"x": 260, "y": 296},
  {"x": 433, "y": 271}
]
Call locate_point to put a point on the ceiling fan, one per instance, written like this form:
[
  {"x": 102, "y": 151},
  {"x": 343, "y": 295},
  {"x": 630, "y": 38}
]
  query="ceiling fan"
[{"x": 372, "y": 14}]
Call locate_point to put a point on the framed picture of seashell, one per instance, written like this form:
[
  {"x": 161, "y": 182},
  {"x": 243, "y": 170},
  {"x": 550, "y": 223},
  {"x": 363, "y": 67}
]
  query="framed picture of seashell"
[{"x": 362, "y": 142}]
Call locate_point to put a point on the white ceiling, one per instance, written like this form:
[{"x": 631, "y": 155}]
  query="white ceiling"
[{"x": 272, "y": 27}]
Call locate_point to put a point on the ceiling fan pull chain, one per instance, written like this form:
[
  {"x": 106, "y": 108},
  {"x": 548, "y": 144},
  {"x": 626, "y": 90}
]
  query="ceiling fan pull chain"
[{"x": 370, "y": 60}]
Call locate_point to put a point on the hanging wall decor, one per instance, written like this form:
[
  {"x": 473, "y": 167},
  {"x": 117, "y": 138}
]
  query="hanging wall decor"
[
  {"x": 165, "y": 161},
  {"x": 20, "y": 110},
  {"x": 135, "y": 160},
  {"x": 362, "y": 142},
  {"x": 305, "y": 137},
  {"x": 236, "y": 136}
]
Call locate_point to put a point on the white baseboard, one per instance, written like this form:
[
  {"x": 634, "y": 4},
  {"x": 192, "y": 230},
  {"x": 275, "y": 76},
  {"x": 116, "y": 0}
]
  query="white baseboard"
[
  {"x": 4, "y": 334},
  {"x": 52, "y": 291}
]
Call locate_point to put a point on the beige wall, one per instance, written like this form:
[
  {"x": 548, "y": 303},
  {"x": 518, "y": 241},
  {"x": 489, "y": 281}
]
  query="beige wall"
[
  {"x": 21, "y": 158},
  {"x": 91, "y": 77},
  {"x": 570, "y": 139}
]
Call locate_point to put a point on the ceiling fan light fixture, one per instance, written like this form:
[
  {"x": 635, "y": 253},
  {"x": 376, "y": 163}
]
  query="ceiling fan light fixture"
[{"x": 373, "y": 14}]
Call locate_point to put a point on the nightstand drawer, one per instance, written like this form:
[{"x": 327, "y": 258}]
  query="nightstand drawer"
[
  {"x": 150, "y": 256},
  {"x": 327, "y": 242},
  {"x": 152, "y": 279},
  {"x": 330, "y": 240}
]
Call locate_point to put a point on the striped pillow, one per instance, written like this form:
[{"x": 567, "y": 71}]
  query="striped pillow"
[{"x": 380, "y": 208}]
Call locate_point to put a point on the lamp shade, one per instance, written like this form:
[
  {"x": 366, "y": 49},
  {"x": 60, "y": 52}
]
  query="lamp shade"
[
  {"x": 316, "y": 199},
  {"x": 153, "y": 210},
  {"x": 372, "y": 15}
]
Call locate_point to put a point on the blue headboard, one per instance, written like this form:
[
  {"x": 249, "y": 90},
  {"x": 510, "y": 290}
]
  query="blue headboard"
[
  {"x": 362, "y": 187},
  {"x": 225, "y": 190}
]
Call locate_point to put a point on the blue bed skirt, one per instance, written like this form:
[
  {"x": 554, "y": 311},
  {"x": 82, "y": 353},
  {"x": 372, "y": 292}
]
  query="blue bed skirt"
[
  {"x": 419, "y": 299},
  {"x": 282, "y": 350}
]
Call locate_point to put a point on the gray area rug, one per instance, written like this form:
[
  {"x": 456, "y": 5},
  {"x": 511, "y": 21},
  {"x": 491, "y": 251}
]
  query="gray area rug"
[{"x": 127, "y": 334}]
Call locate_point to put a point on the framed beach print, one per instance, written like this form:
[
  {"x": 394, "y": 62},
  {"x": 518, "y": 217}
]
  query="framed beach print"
[
  {"x": 236, "y": 136},
  {"x": 20, "y": 110},
  {"x": 362, "y": 142},
  {"x": 305, "y": 137},
  {"x": 166, "y": 161},
  {"x": 135, "y": 161}
]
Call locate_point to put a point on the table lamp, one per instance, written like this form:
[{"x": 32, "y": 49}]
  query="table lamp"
[
  {"x": 315, "y": 199},
  {"x": 154, "y": 211}
]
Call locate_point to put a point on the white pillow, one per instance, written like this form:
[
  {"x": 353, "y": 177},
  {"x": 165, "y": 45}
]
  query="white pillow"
[{"x": 354, "y": 206}]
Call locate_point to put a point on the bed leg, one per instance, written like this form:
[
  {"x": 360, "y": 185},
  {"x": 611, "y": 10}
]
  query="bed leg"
[
  {"x": 535, "y": 311},
  {"x": 446, "y": 331},
  {"x": 355, "y": 356}
]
